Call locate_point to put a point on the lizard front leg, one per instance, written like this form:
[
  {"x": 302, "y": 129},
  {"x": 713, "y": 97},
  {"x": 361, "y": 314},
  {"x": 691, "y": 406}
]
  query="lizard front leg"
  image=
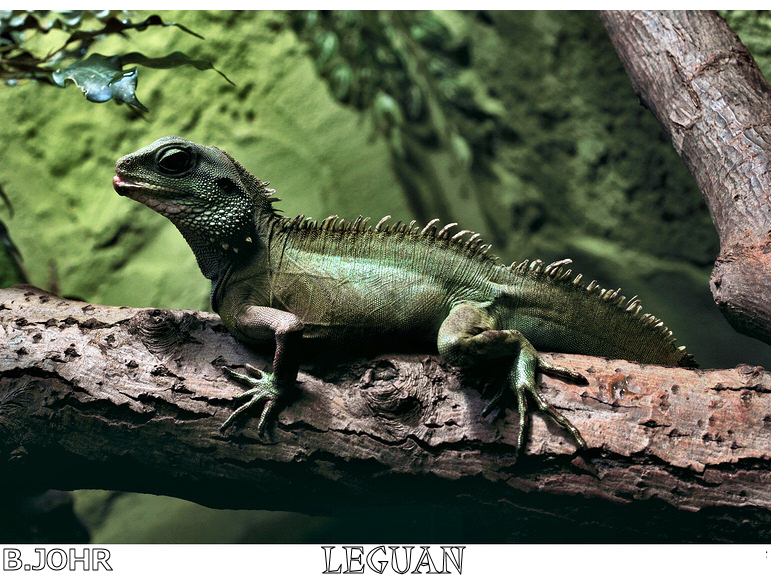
[
  {"x": 258, "y": 323},
  {"x": 468, "y": 337}
]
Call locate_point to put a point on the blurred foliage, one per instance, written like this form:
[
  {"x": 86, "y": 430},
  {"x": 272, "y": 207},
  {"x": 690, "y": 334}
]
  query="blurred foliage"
[
  {"x": 101, "y": 78},
  {"x": 754, "y": 27},
  {"x": 401, "y": 67}
]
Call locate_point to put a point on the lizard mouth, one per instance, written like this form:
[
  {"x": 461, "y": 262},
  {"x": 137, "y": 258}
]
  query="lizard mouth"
[
  {"x": 139, "y": 193},
  {"x": 123, "y": 187},
  {"x": 120, "y": 185}
]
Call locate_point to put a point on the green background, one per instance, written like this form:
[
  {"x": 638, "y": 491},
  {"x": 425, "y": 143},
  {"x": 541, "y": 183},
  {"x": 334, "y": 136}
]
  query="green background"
[{"x": 520, "y": 125}]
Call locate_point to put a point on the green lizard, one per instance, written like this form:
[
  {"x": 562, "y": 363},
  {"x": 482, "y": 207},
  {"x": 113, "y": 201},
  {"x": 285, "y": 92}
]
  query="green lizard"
[{"x": 292, "y": 279}]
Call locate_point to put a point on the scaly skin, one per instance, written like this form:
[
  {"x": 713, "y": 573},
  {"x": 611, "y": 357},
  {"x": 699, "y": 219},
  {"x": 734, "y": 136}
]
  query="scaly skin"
[{"x": 292, "y": 279}]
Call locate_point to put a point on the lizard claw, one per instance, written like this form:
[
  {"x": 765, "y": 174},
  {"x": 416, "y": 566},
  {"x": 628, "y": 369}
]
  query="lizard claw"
[
  {"x": 494, "y": 402},
  {"x": 523, "y": 381},
  {"x": 544, "y": 406},
  {"x": 263, "y": 389}
]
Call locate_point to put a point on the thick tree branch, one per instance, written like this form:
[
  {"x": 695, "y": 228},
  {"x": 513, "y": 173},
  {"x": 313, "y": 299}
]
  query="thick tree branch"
[
  {"x": 132, "y": 399},
  {"x": 703, "y": 86}
]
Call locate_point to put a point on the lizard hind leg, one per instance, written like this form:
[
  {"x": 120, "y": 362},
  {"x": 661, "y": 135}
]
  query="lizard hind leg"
[{"x": 469, "y": 337}]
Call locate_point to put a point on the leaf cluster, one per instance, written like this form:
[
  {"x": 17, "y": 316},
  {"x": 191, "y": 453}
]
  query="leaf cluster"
[{"x": 100, "y": 77}]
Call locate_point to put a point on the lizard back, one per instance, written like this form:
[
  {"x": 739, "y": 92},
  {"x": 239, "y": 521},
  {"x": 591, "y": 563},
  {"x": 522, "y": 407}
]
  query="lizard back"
[{"x": 346, "y": 279}]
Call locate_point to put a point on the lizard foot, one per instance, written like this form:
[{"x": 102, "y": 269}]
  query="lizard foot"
[
  {"x": 522, "y": 382},
  {"x": 263, "y": 389}
]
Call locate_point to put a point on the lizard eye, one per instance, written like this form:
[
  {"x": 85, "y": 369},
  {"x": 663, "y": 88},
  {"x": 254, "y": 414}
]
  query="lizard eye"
[{"x": 174, "y": 161}]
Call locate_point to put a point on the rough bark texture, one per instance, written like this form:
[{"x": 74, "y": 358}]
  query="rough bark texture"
[
  {"x": 692, "y": 71},
  {"x": 132, "y": 399}
]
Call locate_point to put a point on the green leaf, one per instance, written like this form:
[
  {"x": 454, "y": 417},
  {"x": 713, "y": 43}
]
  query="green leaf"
[
  {"x": 14, "y": 23},
  {"x": 341, "y": 80},
  {"x": 117, "y": 26},
  {"x": 21, "y": 20},
  {"x": 173, "y": 60},
  {"x": 156, "y": 20},
  {"x": 102, "y": 78}
]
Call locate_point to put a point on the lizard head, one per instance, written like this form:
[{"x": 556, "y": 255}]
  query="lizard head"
[{"x": 208, "y": 195}]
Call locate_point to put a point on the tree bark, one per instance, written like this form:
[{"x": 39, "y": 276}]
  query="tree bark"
[
  {"x": 132, "y": 399},
  {"x": 705, "y": 89}
]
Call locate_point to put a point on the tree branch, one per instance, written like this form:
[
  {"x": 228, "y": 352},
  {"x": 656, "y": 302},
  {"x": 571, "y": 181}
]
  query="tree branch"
[
  {"x": 705, "y": 89},
  {"x": 132, "y": 399}
]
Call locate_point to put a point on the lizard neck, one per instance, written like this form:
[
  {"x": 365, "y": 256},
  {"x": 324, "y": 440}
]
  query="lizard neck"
[
  {"x": 212, "y": 258},
  {"x": 217, "y": 249}
]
